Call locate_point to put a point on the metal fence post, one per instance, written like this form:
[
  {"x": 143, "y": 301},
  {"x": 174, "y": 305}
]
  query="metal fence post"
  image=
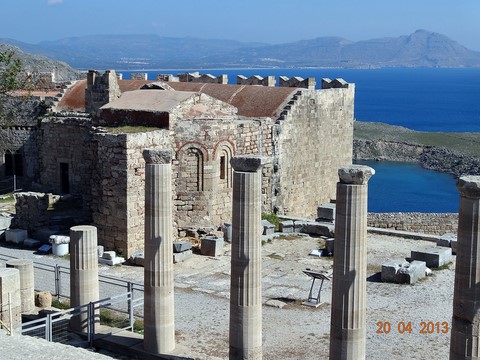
[
  {"x": 48, "y": 328},
  {"x": 130, "y": 310},
  {"x": 57, "y": 281},
  {"x": 91, "y": 322}
]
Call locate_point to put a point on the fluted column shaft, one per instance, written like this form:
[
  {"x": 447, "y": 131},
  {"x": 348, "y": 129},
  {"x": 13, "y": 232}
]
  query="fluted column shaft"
[
  {"x": 348, "y": 325},
  {"x": 84, "y": 287},
  {"x": 465, "y": 336},
  {"x": 246, "y": 260},
  {"x": 159, "y": 336}
]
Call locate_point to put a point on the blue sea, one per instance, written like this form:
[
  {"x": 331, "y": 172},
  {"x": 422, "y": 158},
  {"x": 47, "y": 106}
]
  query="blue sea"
[{"x": 416, "y": 98}]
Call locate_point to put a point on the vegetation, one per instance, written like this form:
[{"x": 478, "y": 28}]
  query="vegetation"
[
  {"x": 114, "y": 319},
  {"x": 272, "y": 219},
  {"x": 461, "y": 142},
  {"x": 59, "y": 304}
]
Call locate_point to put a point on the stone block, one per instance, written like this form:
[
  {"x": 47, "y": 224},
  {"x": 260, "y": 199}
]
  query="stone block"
[
  {"x": 10, "y": 295},
  {"x": 287, "y": 227},
  {"x": 316, "y": 228},
  {"x": 5, "y": 222},
  {"x": 60, "y": 249},
  {"x": 31, "y": 243},
  {"x": 59, "y": 239},
  {"x": 109, "y": 255},
  {"x": 298, "y": 225},
  {"x": 434, "y": 256},
  {"x": 211, "y": 246},
  {"x": 447, "y": 240},
  {"x": 390, "y": 269},
  {"x": 111, "y": 262},
  {"x": 227, "y": 232},
  {"x": 182, "y": 256},
  {"x": 139, "y": 258},
  {"x": 100, "y": 250},
  {"x": 16, "y": 236},
  {"x": 329, "y": 246},
  {"x": 326, "y": 212},
  {"x": 180, "y": 246},
  {"x": 453, "y": 245},
  {"x": 411, "y": 273},
  {"x": 268, "y": 228}
]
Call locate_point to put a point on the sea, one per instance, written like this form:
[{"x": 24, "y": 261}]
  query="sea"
[{"x": 422, "y": 99}]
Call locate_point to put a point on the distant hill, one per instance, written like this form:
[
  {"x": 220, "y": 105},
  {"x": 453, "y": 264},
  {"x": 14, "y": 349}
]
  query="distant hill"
[
  {"x": 420, "y": 49},
  {"x": 38, "y": 63}
]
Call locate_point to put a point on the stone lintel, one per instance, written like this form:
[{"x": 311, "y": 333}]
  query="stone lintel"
[
  {"x": 157, "y": 156},
  {"x": 355, "y": 174},
  {"x": 469, "y": 186},
  {"x": 248, "y": 163}
]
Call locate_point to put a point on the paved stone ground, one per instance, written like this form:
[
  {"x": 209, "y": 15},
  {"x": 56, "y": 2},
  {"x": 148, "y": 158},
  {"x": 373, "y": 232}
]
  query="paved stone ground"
[{"x": 294, "y": 331}]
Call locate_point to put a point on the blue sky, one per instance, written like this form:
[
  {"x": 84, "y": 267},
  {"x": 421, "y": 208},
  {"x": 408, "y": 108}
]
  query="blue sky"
[{"x": 269, "y": 21}]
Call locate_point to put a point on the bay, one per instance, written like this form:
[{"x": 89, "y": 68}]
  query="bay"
[{"x": 406, "y": 187}]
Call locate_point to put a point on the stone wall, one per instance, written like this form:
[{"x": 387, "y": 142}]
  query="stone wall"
[
  {"x": 20, "y": 143},
  {"x": 426, "y": 223},
  {"x": 312, "y": 140},
  {"x": 31, "y": 210},
  {"x": 118, "y": 189},
  {"x": 101, "y": 89}
]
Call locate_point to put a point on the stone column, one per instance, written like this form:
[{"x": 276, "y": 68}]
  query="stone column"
[
  {"x": 27, "y": 292},
  {"x": 349, "y": 288},
  {"x": 246, "y": 259},
  {"x": 465, "y": 336},
  {"x": 159, "y": 337},
  {"x": 83, "y": 271}
]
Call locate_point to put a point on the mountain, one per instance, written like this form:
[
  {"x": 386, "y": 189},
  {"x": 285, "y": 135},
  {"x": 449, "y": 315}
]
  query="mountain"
[
  {"x": 420, "y": 49},
  {"x": 38, "y": 63}
]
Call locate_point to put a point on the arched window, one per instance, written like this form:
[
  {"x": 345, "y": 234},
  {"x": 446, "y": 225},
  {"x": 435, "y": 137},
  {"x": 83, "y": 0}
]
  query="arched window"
[
  {"x": 225, "y": 154},
  {"x": 191, "y": 164}
]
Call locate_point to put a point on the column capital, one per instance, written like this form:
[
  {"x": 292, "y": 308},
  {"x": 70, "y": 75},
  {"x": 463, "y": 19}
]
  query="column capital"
[
  {"x": 355, "y": 174},
  {"x": 248, "y": 163},
  {"x": 469, "y": 186},
  {"x": 157, "y": 156}
]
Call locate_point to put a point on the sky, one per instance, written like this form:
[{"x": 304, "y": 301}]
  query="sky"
[{"x": 266, "y": 21}]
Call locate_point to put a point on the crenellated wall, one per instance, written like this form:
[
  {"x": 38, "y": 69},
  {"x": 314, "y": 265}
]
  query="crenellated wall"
[
  {"x": 256, "y": 80},
  {"x": 299, "y": 82}
]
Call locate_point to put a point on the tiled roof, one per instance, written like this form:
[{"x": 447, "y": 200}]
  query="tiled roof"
[{"x": 251, "y": 101}]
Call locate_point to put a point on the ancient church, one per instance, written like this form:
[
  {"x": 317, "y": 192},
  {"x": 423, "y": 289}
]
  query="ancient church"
[{"x": 90, "y": 145}]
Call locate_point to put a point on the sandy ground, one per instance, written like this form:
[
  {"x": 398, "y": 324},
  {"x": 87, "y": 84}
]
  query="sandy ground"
[{"x": 297, "y": 331}]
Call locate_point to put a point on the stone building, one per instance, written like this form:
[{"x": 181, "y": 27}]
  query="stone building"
[{"x": 92, "y": 147}]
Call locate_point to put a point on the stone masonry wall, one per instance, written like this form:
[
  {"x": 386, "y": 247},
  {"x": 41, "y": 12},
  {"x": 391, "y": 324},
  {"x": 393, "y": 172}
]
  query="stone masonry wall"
[
  {"x": 312, "y": 140},
  {"x": 202, "y": 170},
  {"x": 118, "y": 188},
  {"x": 67, "y": 140},
  {"x": 427, "y": 223},
  {"x": 21, "y": 140}
]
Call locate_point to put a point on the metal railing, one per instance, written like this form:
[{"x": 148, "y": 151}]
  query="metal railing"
[{"x": 55, "y": 326}]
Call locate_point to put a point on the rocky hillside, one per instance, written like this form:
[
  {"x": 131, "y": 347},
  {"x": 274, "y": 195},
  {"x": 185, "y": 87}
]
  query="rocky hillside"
[
  {"x": 453, "y": 153},
  {"x": 37, "y": 63}
]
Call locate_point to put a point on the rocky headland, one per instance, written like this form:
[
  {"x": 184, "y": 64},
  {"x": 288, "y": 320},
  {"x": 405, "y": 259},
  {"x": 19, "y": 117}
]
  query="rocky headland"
[{"x": 453, "y": 153}]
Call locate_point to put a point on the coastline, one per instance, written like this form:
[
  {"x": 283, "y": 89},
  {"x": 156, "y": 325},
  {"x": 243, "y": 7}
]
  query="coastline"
[{"x": 453, "y": 153}]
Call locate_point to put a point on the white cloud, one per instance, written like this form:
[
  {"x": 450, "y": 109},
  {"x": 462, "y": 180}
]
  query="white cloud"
[{"x": 53, "y": 2}]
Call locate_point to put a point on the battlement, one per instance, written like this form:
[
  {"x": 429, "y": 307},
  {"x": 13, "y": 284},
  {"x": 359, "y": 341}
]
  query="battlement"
[
  {"x": 256, "y": 80},
  {"x": 299, "y": 82},
  {"x": 203, "y": 78},
  {"x": 167, "y": 77},
  {"x": 138, "y": 76},
  {"x": 334, "y": 84}
]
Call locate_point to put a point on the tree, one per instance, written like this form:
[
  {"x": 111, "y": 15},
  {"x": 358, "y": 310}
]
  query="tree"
[
  {"x": 12, "y": 79},
  {"x": 10, "y": 71}
]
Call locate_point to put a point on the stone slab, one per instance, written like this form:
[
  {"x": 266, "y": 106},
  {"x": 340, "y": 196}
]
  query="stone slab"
[
  {"x": 326, "y": 212},
  {"x": 268, "y": 228},
  {"x": 182, "y": 256},
  {"x": 109, "y": 255},
  {"x": 434, "y": 256},
  {"x": 411, "y": 273},
  {"x": 390, "y": 269},
  {"x": 317, "y": 228},
  {"x": 115, "y": 261},
  {"x": 211, "y": 246},
  {"x": 16, "y": 236},
  {"x": 180, "y": 246},
  {"x": 287, "y": 227}
]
